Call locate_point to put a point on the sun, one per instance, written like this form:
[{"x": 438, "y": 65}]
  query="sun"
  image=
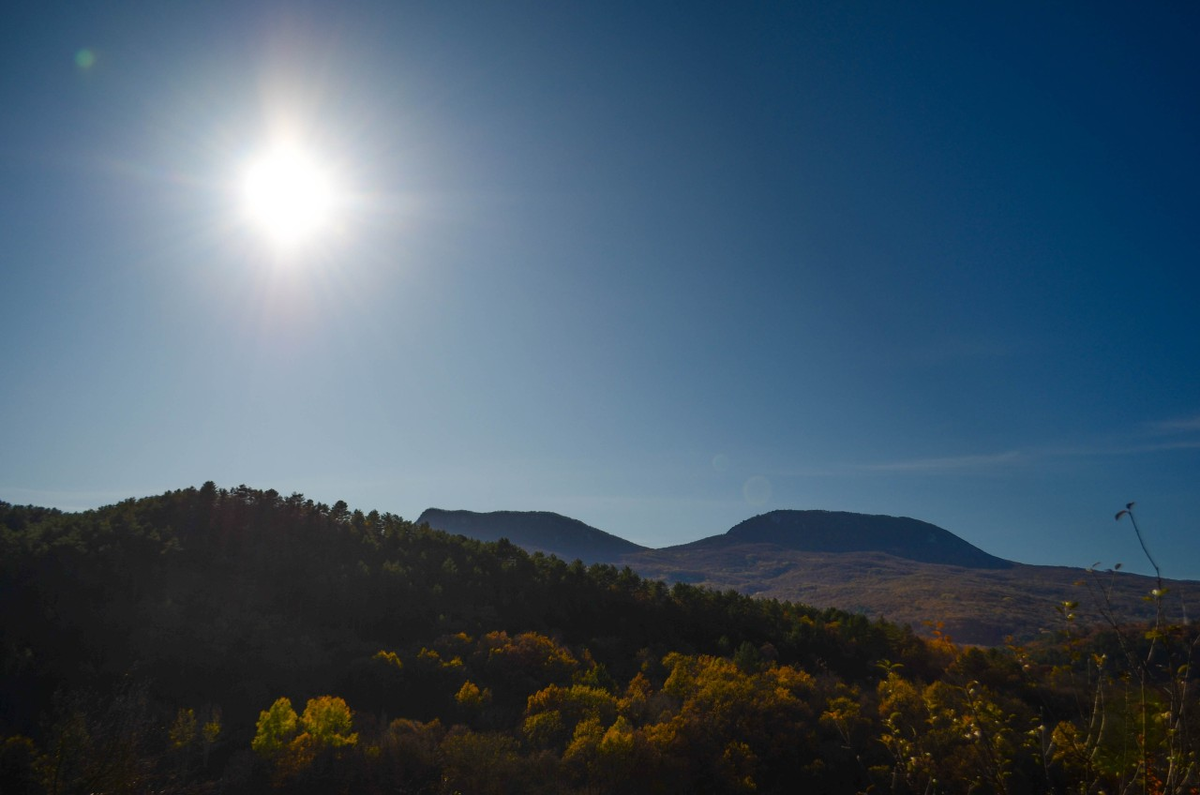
[{"x": 290, "y": 195}]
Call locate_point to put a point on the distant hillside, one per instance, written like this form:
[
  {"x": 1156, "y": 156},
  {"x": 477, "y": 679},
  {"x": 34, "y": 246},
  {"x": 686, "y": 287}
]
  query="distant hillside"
[
  {"x": 902, "y": 569},
  {"x": 839, "y": 531},
  {"x": 973, "y": 605},
  {"x": 534, "y": 531},
  {"x": 910, "y": 572}
]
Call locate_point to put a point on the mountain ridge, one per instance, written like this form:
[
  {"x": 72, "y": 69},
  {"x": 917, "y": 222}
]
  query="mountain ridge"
[{"x": 902, "y": 569}]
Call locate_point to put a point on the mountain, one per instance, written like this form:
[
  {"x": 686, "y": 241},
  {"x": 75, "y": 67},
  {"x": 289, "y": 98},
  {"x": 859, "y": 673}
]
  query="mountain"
[
  {"x": 842, "y": 532},
  {"x": 534, "y": 531},
  {"x": 909, "y": 571},
  {"x": 902, "y": 569}
]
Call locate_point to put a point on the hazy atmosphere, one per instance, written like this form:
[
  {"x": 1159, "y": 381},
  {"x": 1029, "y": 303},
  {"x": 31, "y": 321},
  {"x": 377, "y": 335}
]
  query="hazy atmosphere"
[{"x": 658, "y": 267}]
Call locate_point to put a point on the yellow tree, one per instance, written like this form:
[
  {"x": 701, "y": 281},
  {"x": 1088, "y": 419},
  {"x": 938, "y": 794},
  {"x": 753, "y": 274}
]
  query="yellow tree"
[
  {"x": 183, "y": 734},
  {"x": 551, "y": 714},
  {"x": 328, "y": 720},
  {"x": 211, "y": 731},
  {"x": 292, "y": 742},
  {"x": 729, "y": 719}
]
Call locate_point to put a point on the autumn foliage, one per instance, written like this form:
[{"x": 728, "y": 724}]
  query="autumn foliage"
[{"x": 158, "y": 645}]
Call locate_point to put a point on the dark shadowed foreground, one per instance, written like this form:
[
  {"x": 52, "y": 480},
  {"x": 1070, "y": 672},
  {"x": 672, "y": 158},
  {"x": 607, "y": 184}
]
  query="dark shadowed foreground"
[{"x": 213, "y": 640}]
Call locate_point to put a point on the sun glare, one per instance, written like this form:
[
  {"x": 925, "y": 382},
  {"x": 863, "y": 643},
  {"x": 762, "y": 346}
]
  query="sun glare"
[{"x": 289, "y": 195}]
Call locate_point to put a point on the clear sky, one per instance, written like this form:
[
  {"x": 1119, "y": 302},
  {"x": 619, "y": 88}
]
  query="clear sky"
[{"x": 656, "y": 266}]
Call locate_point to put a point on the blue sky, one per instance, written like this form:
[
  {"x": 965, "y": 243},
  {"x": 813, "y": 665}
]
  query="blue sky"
[{"x": 656, "y": 266}]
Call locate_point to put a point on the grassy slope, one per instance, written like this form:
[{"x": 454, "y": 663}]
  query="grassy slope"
[{"x": 978, "y": 606}]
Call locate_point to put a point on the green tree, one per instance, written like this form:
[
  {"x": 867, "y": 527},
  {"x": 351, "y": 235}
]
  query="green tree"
[{"x": 275, "y": 729}]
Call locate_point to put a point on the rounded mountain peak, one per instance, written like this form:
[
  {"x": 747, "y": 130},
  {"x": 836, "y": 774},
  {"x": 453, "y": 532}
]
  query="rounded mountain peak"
[{"x": 840, "y": 531}]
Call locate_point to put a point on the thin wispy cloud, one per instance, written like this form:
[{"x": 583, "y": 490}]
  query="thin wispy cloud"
[
  {"x": 950, "y": 463},
  {"x": 1149, "y": 438},
  {"x": 1179, "y": 425},
  {"x": 1162, "y": 447}
]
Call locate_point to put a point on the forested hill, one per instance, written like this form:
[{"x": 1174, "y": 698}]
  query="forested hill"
[
  {"x": 535, "y": 531},
  {"x": 235, "y": 597},
  {"x": 157, "y": 645}
]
